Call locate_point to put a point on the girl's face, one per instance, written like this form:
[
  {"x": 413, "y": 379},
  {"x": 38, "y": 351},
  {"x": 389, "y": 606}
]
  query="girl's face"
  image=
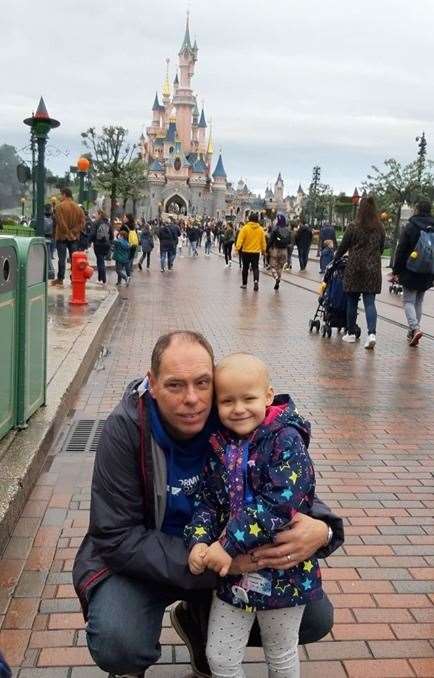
[{"x": 242, "y": 399}]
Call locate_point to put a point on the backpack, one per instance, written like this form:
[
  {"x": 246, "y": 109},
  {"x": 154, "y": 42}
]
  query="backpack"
[
  {"x": 133, "y": 239},
  {"x": 103, "y": 232},
  {"x": 48, "y": 227},
  {"x": 282, "y": 237},
  {"x": 421, "y": 259}
]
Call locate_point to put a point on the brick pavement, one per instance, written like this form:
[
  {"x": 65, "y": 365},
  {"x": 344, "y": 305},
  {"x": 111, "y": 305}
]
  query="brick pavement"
[{"x": 373, "y": 449}]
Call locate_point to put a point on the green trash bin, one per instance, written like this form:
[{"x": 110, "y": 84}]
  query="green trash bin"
[
  {"x": 8, "y": 333},
  {"x": 32, "y": 327}
]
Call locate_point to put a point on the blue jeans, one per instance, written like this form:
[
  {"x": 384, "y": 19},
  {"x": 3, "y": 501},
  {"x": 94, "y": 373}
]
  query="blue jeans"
[
  {"x": 207, "y": 246},
  {"x": 62, "y": 246},
  {"x": 170, "y": 256},
  {"x": 370, "y": 311},
  {"x": 50, "y": 267},
  {"x": 123, "y": 271}
]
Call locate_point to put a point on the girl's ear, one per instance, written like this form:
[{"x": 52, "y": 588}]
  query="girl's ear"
[{"x": 270, "y": 396}]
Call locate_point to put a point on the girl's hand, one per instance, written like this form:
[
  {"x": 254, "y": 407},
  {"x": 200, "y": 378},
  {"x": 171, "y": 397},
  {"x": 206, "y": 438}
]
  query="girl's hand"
[
  {"x": 217, "y": 559},
  {"x": 196, "y": 558}
]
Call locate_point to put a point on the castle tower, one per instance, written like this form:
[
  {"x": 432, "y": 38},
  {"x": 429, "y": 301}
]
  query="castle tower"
[
  {"x": 219, "y": 189},
  {"x": 278, "y": 190},
  {"x": 202, "y": 132},
  {"x": 184, "y": 99},
  {"x": 210, "y": 147}
]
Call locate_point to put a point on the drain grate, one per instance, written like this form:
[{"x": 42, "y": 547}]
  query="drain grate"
[{"x": 83, "y": 436}]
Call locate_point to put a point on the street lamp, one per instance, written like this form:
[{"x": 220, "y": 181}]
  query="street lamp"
[
  {"x": 40, "y": 124},
  {"x": 23, "y": 202},
  {"x": 83, "y": 165}
]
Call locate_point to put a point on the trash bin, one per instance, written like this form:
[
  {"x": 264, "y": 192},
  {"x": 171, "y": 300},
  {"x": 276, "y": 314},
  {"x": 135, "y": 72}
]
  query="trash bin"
[
  {"x": 32, "y": 327},
  {"x": 8, "y": 333}
]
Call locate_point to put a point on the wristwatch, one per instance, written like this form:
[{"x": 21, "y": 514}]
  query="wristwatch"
[{"x": 329, "y": 535}]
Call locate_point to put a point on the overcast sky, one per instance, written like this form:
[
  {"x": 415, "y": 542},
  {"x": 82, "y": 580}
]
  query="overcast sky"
[{"x": 288, "y": 84}]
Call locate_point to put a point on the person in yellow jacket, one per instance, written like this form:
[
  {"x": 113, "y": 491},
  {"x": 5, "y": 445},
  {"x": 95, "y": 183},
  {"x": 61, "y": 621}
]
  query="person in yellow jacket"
[{"x": 251, "y": 241}]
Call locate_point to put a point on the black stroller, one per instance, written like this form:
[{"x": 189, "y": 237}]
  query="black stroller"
[{"x": 332, "y": 302}]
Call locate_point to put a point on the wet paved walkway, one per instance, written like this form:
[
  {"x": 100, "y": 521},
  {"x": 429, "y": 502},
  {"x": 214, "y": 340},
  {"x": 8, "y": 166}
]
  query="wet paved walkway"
[{"x": 372, "y": 416}]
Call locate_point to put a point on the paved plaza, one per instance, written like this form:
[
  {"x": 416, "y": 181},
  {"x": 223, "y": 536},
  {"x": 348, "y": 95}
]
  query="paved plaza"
[{"x": 372, "y": 444}]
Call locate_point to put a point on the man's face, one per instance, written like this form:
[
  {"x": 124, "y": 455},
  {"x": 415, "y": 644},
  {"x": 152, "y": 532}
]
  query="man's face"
[{"x": 183, "y": 388}]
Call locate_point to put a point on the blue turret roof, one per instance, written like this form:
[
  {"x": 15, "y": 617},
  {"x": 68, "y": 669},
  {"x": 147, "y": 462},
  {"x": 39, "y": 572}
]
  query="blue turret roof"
[
  {"x": 187, "y": 41},
  {"x": 219, "y": 170},
  {"x": 202, "y": 121},
  {"x": 156, "y": 166},
  {"x": 156, "y": 106},
  {"x": 200, "y": 166},
  {"x": 171, "y": 132}
]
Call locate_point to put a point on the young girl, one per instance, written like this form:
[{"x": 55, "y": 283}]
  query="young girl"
[{"x": 258, "y": 477}]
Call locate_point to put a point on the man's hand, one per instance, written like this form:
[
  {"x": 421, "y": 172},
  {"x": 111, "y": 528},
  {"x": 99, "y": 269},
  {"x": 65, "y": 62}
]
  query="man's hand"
[
  {"x": 195, "y": 559},
  {"x": 292, "y": 546},
  {"x": 217, "y": 559}
]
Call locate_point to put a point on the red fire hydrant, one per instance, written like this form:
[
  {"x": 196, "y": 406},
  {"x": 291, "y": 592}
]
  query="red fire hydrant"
[{"x": 80, "y": 272}]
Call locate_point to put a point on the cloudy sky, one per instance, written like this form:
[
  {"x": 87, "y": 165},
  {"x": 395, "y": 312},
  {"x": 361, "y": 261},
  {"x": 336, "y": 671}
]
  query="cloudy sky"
[{"x": 288, "y": 83}]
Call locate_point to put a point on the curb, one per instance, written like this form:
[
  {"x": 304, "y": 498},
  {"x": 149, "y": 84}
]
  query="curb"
[{"x": 23, "y": 453}]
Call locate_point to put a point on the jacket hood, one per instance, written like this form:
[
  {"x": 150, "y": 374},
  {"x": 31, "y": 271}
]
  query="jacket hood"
[
  {"x": 253, "y": 224},
  {"x": 422, "y": 222},
  {"x": 130, "y": 397}
]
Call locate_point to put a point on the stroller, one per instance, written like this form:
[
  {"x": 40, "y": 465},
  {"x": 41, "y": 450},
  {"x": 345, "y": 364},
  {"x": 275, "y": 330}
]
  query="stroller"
[{"x": 332, "y": 302}]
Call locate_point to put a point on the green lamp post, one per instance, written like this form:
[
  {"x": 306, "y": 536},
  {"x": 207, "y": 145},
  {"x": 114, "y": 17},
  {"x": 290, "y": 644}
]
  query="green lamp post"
[{"x": 40, "y": 124}]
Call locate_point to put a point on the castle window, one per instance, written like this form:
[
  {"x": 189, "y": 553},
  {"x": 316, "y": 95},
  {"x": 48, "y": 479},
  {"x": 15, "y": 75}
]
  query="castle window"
[
  {"x": 177, "y": 164},
  {"x": 171, "y": 149}
]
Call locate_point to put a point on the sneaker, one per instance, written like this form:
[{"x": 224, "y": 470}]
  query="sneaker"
[
  {"x": 349, "y": 338},
  {"x": 226, "y": 265},
  {"x": 162, "y": 270},
  {"x": 416, "y": 336},
  {"x": 127, "y": 282},
  {"x": 56, "y": 283},
  {"x": 256, "y": 287},
  {"x": 230, "y": 263},
  {"x": 371, "y": 341},
  {"x": 276, "y": 284},
  {"x": 191, "y": 632},
  {"x": 243, "y": 287},
  {"x": 139, "y": 266}
]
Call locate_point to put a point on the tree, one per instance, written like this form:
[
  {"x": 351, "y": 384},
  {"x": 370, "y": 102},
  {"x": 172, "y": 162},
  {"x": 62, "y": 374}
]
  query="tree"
[
  {"x": 343, "y": 207},
  {"x": 396, "y": 184},
  {"x": 134, "y": 182},
  {"x": 110, "y": 154},
  {"x": 10, "y": 188}
]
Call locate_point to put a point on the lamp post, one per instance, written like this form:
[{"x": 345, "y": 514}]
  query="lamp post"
[
  {"x": 83, "y": 165},
  {"x": 23, "y": 202},
  {"x": 40, "y": 124}
]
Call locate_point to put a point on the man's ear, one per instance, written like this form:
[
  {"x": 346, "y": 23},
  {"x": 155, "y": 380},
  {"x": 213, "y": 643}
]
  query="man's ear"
[{"x": 270, "y": 395}]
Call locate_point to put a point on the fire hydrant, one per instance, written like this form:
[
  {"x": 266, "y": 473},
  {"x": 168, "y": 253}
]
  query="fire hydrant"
[{"x": 80, "y": 272}]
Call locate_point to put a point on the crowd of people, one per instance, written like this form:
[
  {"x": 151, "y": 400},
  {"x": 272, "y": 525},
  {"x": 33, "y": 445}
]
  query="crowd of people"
[{"x": 362, "y": 245}]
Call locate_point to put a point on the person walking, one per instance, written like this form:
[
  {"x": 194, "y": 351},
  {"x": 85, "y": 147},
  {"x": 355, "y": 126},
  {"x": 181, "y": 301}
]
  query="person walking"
[
  {"x": 228, "y": 241},
  {"x": 409, "y": 270},
  {"x": 278, "y": 242},
  {"x": 102, "y": 237},
  {"x": 69, "y": 223},
  {"x": 208, "y": 241},
  {"x": 251, "y": 239},
  {"x": 133, "y": 240},
  {"x": 303, "y": 240},
  {"x": 147, "y": 245},
  {"x": 166, "y": 239},
  {"x": 193, "y": 237},
  {"x": 48, "y": 233},
  {"x": 121, "y": 255},
  {"x": 364, "y": 242}
]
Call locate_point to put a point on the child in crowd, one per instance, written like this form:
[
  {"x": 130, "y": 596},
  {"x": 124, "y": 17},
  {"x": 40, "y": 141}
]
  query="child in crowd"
[
  {"x": 121, "y": 255},
  {"x": 326, "y": 257},
  {"x": 258, "y": 476},
  {"x": 182, "y": 241}
]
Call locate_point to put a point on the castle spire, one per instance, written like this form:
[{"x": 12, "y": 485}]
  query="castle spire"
[
  {"x": 187, "y": 41},
  {"x": 202, "y": 121},
  {"x": 219, "y": 171},
  {"x": 156, "y": 106},
  {"x": 210, "y": 148},
  {"x": 166, "y": 85}
]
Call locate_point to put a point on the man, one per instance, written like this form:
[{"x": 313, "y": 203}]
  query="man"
[
  {"x": 251, "y": 240},
  {"x": 167, "y": 246},
  {"x": 69, "y": 223},
  {"x": 407, "y": 267},
  {"x": 303, "y": 240},
  {"x": 133, "y": 562}
]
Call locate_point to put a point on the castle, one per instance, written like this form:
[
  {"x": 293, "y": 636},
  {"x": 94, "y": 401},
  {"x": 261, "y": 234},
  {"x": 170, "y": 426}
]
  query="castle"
[{"x": 178, "y": 149}]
